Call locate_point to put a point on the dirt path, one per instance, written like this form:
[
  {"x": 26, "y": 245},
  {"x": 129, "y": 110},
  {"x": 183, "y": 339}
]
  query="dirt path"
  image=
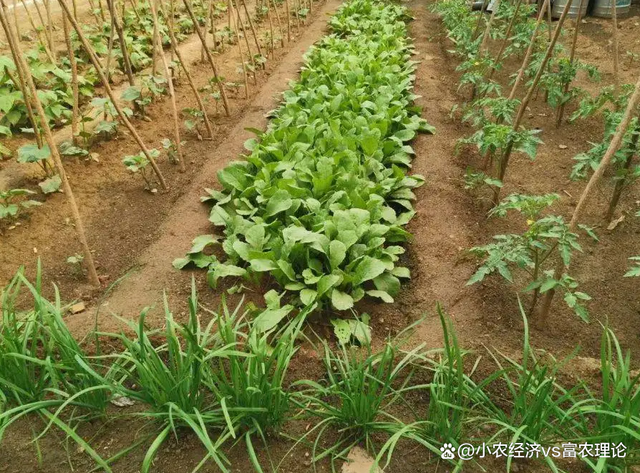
[
  {"x": 441, "y": 227},
  {"x": 188, "y": 218}
]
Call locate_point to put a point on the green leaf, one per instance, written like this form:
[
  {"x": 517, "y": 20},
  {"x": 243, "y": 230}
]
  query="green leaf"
[
  {"x": 341, "y": 300},
  {"x": 279, "y": 202},
  {"x": 308, "y": 296},
  {"x": 369, "y": 268},
  {"x": 405, "y": 135},
  {"x": 32, "y": 154},
  {"x": 201, "y": 242},
  {"x": 262, "y": 265},
  {"x": 269, "y": 318},
  {"x": 381, "y": 295},
  {"x": 337, "y": 253},
  {"x": 342, "y": 330},
  {"x": 51, "y": 185}
]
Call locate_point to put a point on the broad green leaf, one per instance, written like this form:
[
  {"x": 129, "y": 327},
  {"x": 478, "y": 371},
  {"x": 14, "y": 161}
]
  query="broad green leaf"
[
  {"x": 278, "y": 202},
  {"x": 269, "y": 318},
  {"x": 369, "y": 268},
  {"x": 337, "y": 253},
  {"x": 308, "y": 296},
  {"x": 342, "y": 330},
  {"x": 381, "y": 295},
  {"x": 262, "y": 265},
  {"x": 51, "y": 185},
  {"x": 341, "y": 300},
  {"x": 32, "y": 154},
  {"x": 201, "y": 242}
]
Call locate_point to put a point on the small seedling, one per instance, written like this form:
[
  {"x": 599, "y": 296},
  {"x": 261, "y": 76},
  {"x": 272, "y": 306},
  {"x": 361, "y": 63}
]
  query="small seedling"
[
  {"x": 13, "y": 202},
  {"x": 138, "y": 163}
]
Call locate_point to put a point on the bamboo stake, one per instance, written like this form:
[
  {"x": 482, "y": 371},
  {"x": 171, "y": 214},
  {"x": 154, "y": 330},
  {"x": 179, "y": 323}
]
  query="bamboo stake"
[
  {"x": 112, "y": 97},
  {"x": 288, "y": 13},
  {"x": 112, "y": 32},
  {"x": 485, "y": 36},
  {"x": 622, "y": 181},
  {"x": 273, "y": 47},
  {"x": 223, "y": 94},
  {"x": 614, "y": 145},
  {"x": 246, "y": 40},
  {"x": 102, "y": 17},
  {"x": 75, "y": 9},
  {"x": 121, "y": 40},
  {"x": 39, "y": 33},
  {"x": 275, "y": 8},
  {"x": 503, "y": 47},
  {"x": 154, "y": 49},
  {"x": 207, "y": 19},
  {"x": 572, "y": 56},
  {"x": 296, "y": 5},
  {"x": 174, "y": 48},
  {"x": 134, "y": 7},
  {"x": 74, "y": 81},
  {"x": 15, "y": 19},
  {"x": 244, "y": 65},
  {"x": 39, "y": 12},
  {"x": 525, "y": 102},
  {"x": 527, "y": 56},
  {"x": 94, "y": 13},
  {"x": 47, "y": 6},
  {"x": 483, "y": 7},
  {"x": 253, "y": 30},
  {"x": 18, "y": 57},
  {"x": 172, "y": 94},
  {"x": 549, "y": 19},
  {"x": 616, "y": 73}
]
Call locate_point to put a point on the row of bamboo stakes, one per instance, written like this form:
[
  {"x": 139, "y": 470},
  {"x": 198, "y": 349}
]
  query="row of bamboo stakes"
[
  {"x": 630, "y": 112},
  {"x": 35, "y": 110}
]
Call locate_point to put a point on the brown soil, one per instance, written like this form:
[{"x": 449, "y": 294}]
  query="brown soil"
[{"x": 138, "y": 234}]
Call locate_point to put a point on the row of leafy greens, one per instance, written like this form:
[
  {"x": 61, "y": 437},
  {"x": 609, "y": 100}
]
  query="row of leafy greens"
[{"x": 321, "y": 201}]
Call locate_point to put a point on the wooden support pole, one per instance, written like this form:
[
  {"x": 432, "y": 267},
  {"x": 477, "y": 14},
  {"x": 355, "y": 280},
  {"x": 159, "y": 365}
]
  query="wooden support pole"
[
  {"x": 223, "y": 94},
  {"x": 79, "y": 225}
]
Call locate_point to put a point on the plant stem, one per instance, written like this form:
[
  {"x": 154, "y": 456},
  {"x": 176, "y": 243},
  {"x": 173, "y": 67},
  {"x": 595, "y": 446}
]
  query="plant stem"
[
  {"x": 112, "y": 97},
  {"x": 18, "y": 57}
]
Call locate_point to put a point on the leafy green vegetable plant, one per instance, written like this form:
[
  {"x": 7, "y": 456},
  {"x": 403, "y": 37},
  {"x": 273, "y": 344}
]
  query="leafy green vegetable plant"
[
  {"x": 321, "y": 201},
  {"x": 138, "y": 163},
  {"x": 13, "y": 202}
]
